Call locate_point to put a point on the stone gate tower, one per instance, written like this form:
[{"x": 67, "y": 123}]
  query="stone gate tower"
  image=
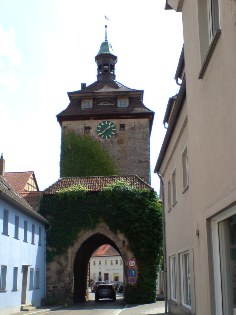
[{"x": 114, "y": 115}]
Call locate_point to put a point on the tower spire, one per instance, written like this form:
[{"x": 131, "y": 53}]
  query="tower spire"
[{"x": 106, "y": 60}]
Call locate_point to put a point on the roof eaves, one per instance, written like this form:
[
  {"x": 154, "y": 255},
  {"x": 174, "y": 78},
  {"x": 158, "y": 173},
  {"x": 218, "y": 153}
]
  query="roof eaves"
[
  {"x": 174, "y": 119},
  {"x": 23, "y": 208},
  {"x": 180, "y": 66},
  {"x": 168, "y": 109},
  {"x": 167, "y": 6}
]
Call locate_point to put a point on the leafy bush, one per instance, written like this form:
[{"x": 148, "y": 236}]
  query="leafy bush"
[{"x": 81, "y": 155}]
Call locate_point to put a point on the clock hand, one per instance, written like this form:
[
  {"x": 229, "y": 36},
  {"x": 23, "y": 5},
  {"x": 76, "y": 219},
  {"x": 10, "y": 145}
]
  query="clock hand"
[{"x": 104, "y": 130}]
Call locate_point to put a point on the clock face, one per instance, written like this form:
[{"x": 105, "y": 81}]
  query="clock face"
[{"x": 106, "y": 129}]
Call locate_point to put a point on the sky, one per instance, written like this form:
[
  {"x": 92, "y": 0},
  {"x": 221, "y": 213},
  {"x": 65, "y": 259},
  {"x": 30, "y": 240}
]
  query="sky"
[{"x": 47, "y": 48}]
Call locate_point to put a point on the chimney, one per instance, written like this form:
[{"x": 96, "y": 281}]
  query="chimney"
[
  {"x": 2, "y": 165},
  {"x": 83, "y": 86}
]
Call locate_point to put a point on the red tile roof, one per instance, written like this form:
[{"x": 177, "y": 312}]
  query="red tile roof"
[
  {"x": 105, "y": 250},
  {"x": 33, "y": 198},
  {"x": 8, "y": 193},
  {"x": 95, "y": 183},
  {"x": 18, "y": 180}
]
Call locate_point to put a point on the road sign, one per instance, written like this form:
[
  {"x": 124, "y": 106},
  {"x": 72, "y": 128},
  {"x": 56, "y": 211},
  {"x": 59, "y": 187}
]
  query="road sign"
[
  {"x": 132, "y": 263},
  {"x": 132, "y": 280},
  {"x": 132, "y": 272}
]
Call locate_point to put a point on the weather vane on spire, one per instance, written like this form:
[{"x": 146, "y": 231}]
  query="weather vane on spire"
[{"x": 106, "y": 18}]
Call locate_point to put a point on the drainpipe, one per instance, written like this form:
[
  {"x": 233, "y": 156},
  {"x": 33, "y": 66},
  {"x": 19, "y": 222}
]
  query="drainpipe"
[{"x": 164, "y": 242}]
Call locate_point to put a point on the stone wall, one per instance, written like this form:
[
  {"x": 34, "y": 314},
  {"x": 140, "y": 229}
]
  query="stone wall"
[{"x": 129, "y": 148}]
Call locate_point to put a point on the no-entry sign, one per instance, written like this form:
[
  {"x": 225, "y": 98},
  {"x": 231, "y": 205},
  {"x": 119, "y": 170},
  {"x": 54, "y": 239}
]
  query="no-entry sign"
[{"x": 132, "y": 263}]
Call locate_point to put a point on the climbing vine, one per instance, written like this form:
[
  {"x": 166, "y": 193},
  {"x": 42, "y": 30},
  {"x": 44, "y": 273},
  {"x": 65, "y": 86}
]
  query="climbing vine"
[
  {"x": 81, "y": 155},
  {"x": 134, "y": 212}
]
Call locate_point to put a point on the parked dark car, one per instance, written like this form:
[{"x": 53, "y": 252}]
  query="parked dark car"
[
  {"x": 105, "y": 291},
  {"x": 96, "y": 284}
]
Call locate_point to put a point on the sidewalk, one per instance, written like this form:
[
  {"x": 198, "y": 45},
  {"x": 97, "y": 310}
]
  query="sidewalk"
[{"x": 39, "y": 310}]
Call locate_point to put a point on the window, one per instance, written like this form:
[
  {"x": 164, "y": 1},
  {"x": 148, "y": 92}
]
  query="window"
[
  {"x": 116, "y": 262},
  {"x": 40, "y": 236},
  {"x": 86, "y": 104},
  {"x": 87, "y": 129},
  {"x": 3, "y": 278},
  {"x": 213, "y": 18},
  {"x": 33, "y": 234},
  {"x": 169, "y": 195},
  {"x": 185, "y": 280},
  {"x": 5, "y": 222},
  {"x": 122, "y": 127},
  {"x": 15, "y": 278},
  {"x": 174, "y": 188},
  {"x": 99, "y": 262},
  {"x": 25, "y": 230},
  {"x": 185, "y": 169},
  {"x": 122, "y": 102},
  {"x": 37, "y": 279},
  {"x": 94, "y": 263},
  {"x": 111, "y": 262},
  {"x": 224, "y": 257},
  {"x": 105, "y": 262},
  {"x": 209, "y": 30},
  {"x": 17, "y": 221},
  {"x": 31, "y": 279},
  {"x": 173, "y": 278}
]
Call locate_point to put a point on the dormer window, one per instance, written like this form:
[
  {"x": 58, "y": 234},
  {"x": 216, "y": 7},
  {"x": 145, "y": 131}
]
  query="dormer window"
[
  {"x": 86, "y": 104},
  {"x": 123, "y": 102}
]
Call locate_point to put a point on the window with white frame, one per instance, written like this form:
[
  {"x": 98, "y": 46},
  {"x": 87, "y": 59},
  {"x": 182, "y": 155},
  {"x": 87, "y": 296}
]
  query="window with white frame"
[
  {"x": 25, "y": 231},
  {"x": 174, "y": 192},
  {"x": 5, "y": 222},
  {"x": 185, "y": 280},
  {"x": 15, "y": 279},
  {"x": 86, "y": 104},
  {"x": 37, "y": 279},
  {"x": 122, "y": 102},
  {"x": 3, "y": 278},
  {"x": 17, "y": 222},
  {"x": 173, "y": 278},
  {"x": 169, "y": 194},
  {"x": 31, "y": 279},
  {"x": 185, "y": 169},
  {"x": 224, "y": 256}
]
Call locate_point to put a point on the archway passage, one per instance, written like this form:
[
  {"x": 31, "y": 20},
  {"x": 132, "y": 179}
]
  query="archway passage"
[{"x": 81, "y": 263}]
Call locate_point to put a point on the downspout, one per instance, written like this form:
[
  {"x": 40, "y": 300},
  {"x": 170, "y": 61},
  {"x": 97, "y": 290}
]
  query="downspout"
[{"x": 164, "y": 242}]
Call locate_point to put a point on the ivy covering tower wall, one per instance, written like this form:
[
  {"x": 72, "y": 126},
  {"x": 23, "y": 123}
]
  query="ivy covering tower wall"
[
  {"x": 81, "y": 155},
  {"x": 134, "y": 212}
]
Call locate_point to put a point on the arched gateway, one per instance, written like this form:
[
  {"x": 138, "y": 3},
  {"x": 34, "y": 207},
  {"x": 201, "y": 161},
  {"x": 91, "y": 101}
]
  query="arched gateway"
[{"x": 126, "y": 216}]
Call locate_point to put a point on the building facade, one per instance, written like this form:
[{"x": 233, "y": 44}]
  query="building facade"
[
  {"x": 197, "y": 164},
  {"x": 106, "y": 264},
  {"x": 114, "y": 115},
  {"x": 22, "y": 252}
]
